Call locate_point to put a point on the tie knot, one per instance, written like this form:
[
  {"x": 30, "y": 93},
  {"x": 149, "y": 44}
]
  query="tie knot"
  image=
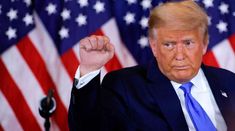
[{"x": 186, "y": 87}]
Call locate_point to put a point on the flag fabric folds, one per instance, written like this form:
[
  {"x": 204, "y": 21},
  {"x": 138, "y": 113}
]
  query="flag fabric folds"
[{"x": 39, "y": 49}]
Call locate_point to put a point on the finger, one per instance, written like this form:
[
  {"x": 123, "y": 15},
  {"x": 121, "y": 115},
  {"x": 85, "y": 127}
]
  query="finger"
[
  {"x": 107, "y": 43},
  {"x": 106, "y": 40},
  {"x": 93, "y": 42},
  {"x": 100, "y": 42},
  {"x": 110, "y": 49},
  {"x": 85, "y": 44}
]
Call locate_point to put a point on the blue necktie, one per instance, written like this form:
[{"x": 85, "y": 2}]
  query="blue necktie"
[{"x": 198, "y": 116}]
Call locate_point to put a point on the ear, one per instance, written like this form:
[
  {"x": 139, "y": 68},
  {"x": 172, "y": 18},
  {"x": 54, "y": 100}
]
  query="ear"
[
  {"x": 153, "y": 45},
  {"x": 204, "y": 48}
]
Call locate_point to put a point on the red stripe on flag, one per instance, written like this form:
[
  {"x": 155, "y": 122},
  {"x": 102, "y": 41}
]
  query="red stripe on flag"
[
  {"x": 17, "y": 101},
  {"x": 38, "y": 67},
  {"x": 70, "y": 62},
  {"x": 114, "y": 63},
  {"x": 232, "y": 41},
  {"x": 98, "y": 32},
  {"x": 1, "y": 129},
  {"x": 209, "y": 59}
]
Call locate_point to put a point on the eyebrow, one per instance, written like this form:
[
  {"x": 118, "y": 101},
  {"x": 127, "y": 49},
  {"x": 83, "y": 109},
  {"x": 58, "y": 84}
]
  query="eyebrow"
[
  {"x": 187, "y": 40},
  {"x": 169, "y": 41}
]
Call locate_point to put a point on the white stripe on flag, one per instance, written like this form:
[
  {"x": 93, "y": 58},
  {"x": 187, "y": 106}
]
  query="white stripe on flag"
[
  {"x": 110, "y": 29},
  {"x": 26, "y": 81},
  {"x": 44, "y": 44},
  {"x": 76, "y": 51},
  {"x": 224, "y": 55},
  {"x": 7, "y": 117}
]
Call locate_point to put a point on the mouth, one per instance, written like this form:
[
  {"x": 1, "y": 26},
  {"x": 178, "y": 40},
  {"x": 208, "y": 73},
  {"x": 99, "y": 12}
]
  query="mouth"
[{"x": 181, "y": 67}]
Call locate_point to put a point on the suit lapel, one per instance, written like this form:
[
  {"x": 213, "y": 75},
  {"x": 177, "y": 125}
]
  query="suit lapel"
[
  {"x": 221, "y": 98},
  {"x": 166, "y": 98}
]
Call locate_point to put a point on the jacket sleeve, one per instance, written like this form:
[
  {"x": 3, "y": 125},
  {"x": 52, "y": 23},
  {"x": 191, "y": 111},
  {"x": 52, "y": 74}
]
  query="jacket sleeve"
[
  {"x": 96, "y": 108},
  {"x": 84, "y": 109}
]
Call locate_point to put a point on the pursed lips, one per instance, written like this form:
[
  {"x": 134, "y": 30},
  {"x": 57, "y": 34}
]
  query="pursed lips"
[{"x": 180, "y": 67}]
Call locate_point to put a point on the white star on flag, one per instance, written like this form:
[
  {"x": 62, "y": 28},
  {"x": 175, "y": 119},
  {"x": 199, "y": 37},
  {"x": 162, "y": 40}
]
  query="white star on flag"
[
  {"x": 64, "y": 33},
  {"x": 222, "y": 26},
  {"x": 11, "y": 33},
  {"x": 144, "y": 22},
  {"x": 28, "y": 19},
  {"x": 143, "y": 41},
  {"x": 99, "y": 7},
  {"x": 223, "y": 8},
  {"x": 12, "y": 14},
  {"x": 208, "y": 3},
  {"x": 65, "y": 14},
  {"x": 83, "y": 3},
  {"x": 146, "y": 4},
  {"x": 81, "y": 20},
  {"x": 131, "y": 2},
  {"x": 51, "y": 9},
  {"x": 129, "y": 18},
  {"x": 27, "y": 2}
]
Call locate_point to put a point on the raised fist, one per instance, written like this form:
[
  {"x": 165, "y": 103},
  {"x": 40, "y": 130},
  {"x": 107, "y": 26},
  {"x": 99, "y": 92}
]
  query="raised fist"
[{"x": 95, "y": 52}]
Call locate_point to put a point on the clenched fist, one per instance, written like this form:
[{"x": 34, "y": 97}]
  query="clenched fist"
[{"x": 95, "y": 52}]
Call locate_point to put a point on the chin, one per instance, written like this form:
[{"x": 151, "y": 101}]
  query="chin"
[{"x": 183, "y": 76}]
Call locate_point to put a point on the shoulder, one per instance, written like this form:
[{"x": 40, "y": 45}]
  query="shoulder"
[
  {"x": 127, "y": 76},
  {"x": 220, "y": 73},
  {"x": 127, "y": 73}
]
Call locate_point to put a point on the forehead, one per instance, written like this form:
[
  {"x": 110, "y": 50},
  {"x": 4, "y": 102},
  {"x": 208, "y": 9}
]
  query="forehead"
[{"x": 167, "y": 33}]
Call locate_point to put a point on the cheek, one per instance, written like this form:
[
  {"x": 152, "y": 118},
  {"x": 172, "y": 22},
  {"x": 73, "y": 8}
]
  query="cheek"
[
  {"x": 166, "y": 56},
  {"x": 165, "y": 59},
  {"x": 197, "y": 62},
  {"x": 196, "y": 57}
]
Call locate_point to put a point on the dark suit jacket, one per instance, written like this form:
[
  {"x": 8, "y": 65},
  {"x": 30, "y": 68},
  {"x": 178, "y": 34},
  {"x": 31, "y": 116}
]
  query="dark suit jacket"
[{"x": 142, "y": 99}]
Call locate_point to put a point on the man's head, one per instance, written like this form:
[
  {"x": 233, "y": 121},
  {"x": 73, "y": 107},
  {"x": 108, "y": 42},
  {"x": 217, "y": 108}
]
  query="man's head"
[{"x": 178, "y": 35}]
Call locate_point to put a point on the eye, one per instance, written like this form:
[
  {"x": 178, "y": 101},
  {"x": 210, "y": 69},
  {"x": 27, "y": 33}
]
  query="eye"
[
  {"x": 189, "y": 43},
  {"x": 169, "y": 45}
]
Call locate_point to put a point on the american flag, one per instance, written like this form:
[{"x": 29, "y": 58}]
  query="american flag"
[{"x": 39, "y": 49}]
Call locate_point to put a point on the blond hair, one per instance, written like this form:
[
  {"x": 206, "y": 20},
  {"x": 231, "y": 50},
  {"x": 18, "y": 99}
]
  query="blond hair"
[{"x": 183, "y": 15}]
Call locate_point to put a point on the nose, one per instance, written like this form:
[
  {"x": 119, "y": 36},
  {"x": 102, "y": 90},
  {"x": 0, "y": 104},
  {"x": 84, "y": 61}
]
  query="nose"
[{"x": 179, "y": 55}]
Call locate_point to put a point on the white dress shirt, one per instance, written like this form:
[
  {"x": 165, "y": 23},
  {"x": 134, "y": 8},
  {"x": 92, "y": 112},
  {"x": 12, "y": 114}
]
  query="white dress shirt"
[
  {"x": 82, "y": 81},
  {"x": 202, "y": 93}
]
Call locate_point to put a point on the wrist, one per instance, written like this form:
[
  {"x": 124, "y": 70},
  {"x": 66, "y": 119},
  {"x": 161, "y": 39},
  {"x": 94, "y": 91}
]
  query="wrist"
[{"x": 86, "y": 69}]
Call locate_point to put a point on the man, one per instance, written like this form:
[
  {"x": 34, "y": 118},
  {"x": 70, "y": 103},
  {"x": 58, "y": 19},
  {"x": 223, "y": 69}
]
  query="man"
[{"x": 175, "y": 92}]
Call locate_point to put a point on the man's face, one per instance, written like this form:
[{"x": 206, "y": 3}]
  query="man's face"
[{"x": 178, "y": 53}]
